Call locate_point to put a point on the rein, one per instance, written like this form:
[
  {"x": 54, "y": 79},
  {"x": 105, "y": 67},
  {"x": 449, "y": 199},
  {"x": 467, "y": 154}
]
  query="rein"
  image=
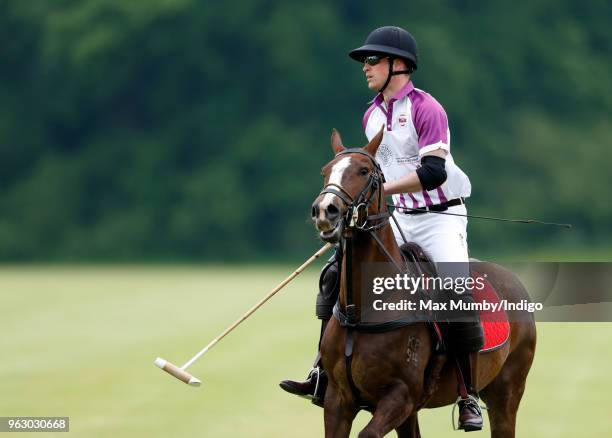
[{"x": 359, "y": 220}]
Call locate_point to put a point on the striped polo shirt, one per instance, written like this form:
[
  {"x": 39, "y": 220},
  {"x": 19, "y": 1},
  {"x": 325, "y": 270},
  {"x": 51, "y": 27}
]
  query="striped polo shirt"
[{"x": 415, "y": 123}]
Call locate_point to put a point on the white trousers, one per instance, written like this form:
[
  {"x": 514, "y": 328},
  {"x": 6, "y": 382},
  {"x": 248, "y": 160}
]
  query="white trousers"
[{"x": 442, "y": 237}]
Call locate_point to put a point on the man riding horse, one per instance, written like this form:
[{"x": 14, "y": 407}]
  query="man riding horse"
[{"x": 421, "y": 176}]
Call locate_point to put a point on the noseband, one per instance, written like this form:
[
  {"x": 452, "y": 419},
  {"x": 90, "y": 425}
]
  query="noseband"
[{"x": 357, "y": 212}]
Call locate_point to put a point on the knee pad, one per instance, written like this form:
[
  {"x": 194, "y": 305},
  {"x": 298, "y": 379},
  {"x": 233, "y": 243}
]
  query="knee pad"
[
  {"x": 324, "y": 308},
  {"x": 329, "y": 281},
  {"x": 329, "y": 288}
]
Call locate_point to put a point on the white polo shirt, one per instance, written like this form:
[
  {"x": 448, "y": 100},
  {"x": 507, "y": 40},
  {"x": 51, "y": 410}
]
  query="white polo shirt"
[{"x": 415, "y": 123}]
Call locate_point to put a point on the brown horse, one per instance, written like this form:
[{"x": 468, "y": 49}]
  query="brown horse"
[{"x": 370, "y": 369}]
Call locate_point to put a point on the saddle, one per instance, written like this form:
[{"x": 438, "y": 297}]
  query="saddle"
[
  {"x": 413, "y": 253},
  {"x": 495, "y": 324}
]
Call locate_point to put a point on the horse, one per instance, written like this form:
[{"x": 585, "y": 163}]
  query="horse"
[{"x": 368, "y": 370}]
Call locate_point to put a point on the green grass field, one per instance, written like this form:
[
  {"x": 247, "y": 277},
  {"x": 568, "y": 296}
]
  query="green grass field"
[{"x": 81, "y": 341}]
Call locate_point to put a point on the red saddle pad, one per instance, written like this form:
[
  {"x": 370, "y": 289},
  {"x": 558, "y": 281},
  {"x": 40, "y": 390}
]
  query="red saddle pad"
[{"x": 494, "y": 323}]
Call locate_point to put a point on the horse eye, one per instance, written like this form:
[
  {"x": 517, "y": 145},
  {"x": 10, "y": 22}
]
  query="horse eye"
[{"x": 364, "y": 171}]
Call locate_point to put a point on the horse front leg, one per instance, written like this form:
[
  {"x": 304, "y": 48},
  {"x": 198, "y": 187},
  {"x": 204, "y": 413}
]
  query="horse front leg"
[
  {"x": 391, "y": 412},
  {"x": 410, "y": 428},
  {"x": 337, "y": 414}
]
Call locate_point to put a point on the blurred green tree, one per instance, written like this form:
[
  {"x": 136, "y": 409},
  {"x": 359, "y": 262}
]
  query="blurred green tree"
[{"x": 180, "y": 129}]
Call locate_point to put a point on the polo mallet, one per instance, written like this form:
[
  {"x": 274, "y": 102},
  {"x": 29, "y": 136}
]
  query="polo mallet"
[{"x": 183, "y": 375}]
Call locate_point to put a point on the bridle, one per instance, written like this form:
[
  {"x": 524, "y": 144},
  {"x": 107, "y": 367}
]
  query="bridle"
[
  {"x": 357, "y": 214},
  {"x": 358, "y": 219}
]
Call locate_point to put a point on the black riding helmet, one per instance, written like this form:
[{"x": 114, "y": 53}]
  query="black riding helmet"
[{"x": 394, "y": 42}]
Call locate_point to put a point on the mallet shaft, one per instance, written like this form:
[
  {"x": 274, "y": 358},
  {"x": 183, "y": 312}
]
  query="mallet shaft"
[{"x": 258, "y": 305}]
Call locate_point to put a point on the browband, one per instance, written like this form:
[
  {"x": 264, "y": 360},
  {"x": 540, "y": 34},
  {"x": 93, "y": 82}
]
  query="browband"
[{"x": 360, "y": 151}]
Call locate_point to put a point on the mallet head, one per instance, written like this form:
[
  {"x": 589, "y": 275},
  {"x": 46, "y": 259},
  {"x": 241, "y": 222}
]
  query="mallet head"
[{"x": 177, "y": 372}]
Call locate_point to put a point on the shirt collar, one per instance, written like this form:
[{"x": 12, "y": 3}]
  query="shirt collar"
[
  {"x": 378, "y": 99},
  {"x": 405, "y": 90}
]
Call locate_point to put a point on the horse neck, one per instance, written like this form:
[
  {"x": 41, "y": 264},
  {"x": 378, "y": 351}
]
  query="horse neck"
[{"x": 365, "y": 250}]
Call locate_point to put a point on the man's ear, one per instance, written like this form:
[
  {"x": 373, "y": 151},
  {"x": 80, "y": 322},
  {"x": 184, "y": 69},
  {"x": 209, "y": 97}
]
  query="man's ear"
[
  {"x": 372, "y": 146},
  {"x": 336, "y": 142}
]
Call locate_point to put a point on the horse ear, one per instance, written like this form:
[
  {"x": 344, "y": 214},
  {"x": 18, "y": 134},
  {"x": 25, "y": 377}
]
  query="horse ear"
[
  {"x": 336, "y": 142},
  {"x": 372, "y": 146}
]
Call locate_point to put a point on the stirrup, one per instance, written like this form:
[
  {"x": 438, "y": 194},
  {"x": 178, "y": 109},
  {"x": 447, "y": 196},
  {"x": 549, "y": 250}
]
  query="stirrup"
[
  {"x": 314, "y": 373},
  {"x": 471, "y": 400},
  {"x": 318, "y": 398}
]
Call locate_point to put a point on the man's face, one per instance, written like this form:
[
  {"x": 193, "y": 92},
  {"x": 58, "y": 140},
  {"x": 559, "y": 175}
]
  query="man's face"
[{"x": 376, "y": 75}]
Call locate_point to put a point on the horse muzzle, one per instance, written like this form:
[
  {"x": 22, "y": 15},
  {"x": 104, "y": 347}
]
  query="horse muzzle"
[
  {"x": 332, "y": 235},
  {"x": 327, "y": 217}
]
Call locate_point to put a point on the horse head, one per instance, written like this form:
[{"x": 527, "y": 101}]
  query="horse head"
[{"x": 352, "y": 186}]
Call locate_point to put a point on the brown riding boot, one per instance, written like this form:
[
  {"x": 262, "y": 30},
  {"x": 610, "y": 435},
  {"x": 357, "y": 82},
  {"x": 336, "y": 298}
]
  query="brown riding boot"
[
  {"x": 313, "y": 388},
  {"x": 470, "y": 415}
]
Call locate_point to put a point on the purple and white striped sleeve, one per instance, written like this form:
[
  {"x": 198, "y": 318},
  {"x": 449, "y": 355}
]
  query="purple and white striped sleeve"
[{"x": 431, "y": 124}]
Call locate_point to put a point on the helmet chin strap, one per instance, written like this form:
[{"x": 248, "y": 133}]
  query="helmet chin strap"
[{"x": 393, "y": 73}]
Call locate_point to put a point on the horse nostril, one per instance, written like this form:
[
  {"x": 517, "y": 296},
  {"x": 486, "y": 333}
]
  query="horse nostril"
[
  {"x": 332, "y": 211},
  {"x": 315, "y": 211}
]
